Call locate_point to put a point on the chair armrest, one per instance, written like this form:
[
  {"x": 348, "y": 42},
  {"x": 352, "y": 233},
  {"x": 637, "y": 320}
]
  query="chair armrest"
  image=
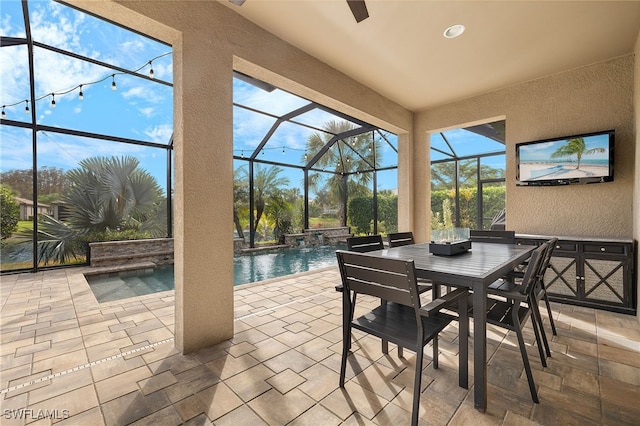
[
  {"x": 340, "y": 288},
  {"x": 442, "y": 301}
]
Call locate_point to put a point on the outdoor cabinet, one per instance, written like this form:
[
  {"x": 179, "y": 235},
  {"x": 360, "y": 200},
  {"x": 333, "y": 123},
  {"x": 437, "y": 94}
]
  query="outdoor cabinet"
[{"x": 597, "y": 273}]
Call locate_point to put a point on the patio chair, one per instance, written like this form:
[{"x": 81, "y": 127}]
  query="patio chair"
[
  {"x": 492, "y": 236},
  {"x": 516, "y": 303},
  {"x": 543, "y": 288},
  {"x": 403, "y": 320},
  {"x": 365, "y": 244},
  {"x": 398, "y": 239},
  {"x": 371, "y": 243}
]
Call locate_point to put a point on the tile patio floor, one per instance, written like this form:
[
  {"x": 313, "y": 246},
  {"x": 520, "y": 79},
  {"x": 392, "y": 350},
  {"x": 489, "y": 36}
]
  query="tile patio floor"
[{"x": 68, "y": 360}]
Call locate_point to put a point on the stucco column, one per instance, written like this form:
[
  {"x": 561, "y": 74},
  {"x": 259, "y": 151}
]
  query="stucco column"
[
  {"x": 204, "y": 197},
  {"x": 405, "y": 183},
  {"x": 422, "y": 186}
]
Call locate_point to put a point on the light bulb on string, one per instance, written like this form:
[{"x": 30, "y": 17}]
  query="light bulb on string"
[
  {"x": 113, "y": 83},
  {"x": 81, "y": 95},
  {"x": 4, "y": 114},
  {"x": 283, "y": 153},
  {"x": 53, "y": 100},
  {"x": 26, "y": 108},
  {"x": 242, "y": 153},
  {"x": 151, "y": 69}
]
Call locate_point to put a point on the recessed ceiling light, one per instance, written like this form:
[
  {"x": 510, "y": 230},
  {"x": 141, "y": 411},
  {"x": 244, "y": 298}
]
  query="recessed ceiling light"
[{"x": 454, "y": 31}]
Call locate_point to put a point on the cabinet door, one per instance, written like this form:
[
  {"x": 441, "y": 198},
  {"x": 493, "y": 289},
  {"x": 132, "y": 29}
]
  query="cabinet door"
[
  {"x": 561, "y": 277},
  {"x": 604, "y": 279}
]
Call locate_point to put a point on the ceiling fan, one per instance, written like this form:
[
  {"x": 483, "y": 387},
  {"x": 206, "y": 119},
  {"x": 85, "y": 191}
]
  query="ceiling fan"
[{"x": 358, "y": 8}]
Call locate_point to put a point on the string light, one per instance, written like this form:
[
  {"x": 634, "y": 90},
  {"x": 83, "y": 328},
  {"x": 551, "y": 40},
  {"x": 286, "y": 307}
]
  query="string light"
[
  {"x": 4, "y": 114},
  {"x": 151, "y": 69},
  {"x": 53, "y": 100},
  {"x": 283, "y": 153},
  {"x": 80, "y": 86}
]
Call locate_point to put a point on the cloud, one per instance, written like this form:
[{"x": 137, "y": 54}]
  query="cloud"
[
  {"x": 147, "y": 112},
  {"x": 161, "y": 133}
]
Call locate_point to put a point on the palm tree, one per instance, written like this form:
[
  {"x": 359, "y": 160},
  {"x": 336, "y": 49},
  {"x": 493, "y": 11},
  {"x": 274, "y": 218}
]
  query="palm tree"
[
  {"x": 267, "y": 188},
  {"x": 577, "y": 147},
  {"x": 105, "y": 195},
  {"x": 344, "y": 158},
  {"x": 240, "y": 198}
]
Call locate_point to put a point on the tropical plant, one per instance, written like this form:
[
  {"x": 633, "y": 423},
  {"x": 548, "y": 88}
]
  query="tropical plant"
[
  {"x": 443, "y": 175},
  {"x": 267, "y": 188},
  {"x": 105, "y": 196},
  {"x": 577, "y": 147},
  {"x": 9, "y": 212},
  {"x": 240, "y": 199},
  {"x": 343, "y": 161}
]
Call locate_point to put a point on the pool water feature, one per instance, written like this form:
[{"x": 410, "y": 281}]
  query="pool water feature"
[{"x": 247, "y": 268}]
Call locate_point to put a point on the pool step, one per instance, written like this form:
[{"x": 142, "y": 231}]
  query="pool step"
[{"x": 97, "y": 270}]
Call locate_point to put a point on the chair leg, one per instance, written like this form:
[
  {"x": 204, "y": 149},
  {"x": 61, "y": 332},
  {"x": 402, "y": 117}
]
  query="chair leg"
[
  {"x": 347, "y": 317},
  {"x": 525, "y": 358},
  {"x": 543, "y": 334},
  {"x": 546, "y": 302},
  {"x": 463, "y": 343},
  {"x": 539, "y": 339},
  {"x": 435, "y": 352},
  {"x": 417, "y": 383},
  {"x": 353, "y": 308}
]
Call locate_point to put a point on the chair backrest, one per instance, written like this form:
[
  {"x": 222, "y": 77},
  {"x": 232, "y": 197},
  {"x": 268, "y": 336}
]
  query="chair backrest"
[
  {"x": 365, "y": 244},
  {"x": 389, "y": 279},
  {"x": 487, "y": 236},
  {"x": 532, "y": 273},
  {"x": 547, "y": 258},
  {"x": 398, "y": 239}
]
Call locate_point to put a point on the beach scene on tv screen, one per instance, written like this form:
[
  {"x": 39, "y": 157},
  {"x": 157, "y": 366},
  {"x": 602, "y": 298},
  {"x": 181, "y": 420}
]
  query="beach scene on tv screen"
[{"x": 571, "y": 158}]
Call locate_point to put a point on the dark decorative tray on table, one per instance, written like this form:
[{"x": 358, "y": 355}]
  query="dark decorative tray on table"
[{"x": 449, "y": 248}]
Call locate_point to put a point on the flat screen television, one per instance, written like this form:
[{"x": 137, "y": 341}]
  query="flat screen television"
[{"x": 576, "y": 159}]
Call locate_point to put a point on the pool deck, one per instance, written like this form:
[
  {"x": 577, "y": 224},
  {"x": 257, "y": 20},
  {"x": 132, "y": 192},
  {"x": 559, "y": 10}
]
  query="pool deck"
[{"x": 66, "y": 359}]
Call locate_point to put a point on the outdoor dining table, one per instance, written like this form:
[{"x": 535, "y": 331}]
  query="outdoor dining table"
[{"x": 476, "y": 269}]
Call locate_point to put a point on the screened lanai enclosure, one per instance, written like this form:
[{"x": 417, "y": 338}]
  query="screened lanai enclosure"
[
  {"x": 87, "y": 143},
  {"x": 300, "y": 165}
]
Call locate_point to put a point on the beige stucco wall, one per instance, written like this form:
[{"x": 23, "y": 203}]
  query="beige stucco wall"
[
  {"x": 588, "y": 99},
  {"x": 209, "y": 40}
]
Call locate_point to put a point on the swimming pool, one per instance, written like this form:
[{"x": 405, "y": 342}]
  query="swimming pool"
[{"x": 247, "y": 268}]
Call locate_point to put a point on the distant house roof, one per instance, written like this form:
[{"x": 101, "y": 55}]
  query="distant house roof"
[{"x": 29, "y": 202}]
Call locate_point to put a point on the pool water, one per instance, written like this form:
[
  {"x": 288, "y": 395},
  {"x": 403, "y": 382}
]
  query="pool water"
[{"x": 247, "y": 268}]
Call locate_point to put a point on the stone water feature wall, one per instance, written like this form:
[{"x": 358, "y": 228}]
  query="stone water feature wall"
[
  {"x": 318, "y": 236},
  {"x": 115, "y": 253}
]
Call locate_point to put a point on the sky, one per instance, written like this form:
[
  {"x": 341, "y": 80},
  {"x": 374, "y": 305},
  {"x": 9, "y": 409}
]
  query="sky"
[{"x": 139, "y": 109}]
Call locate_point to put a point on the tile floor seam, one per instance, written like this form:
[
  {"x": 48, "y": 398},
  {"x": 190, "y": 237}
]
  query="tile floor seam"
[{"x": 82, "y": 367}]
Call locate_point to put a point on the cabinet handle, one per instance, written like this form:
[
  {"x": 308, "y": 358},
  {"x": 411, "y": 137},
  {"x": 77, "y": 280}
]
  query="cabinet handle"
[
  {"x": 557, "y": 247},
  {"x": 603, "y": 249}
]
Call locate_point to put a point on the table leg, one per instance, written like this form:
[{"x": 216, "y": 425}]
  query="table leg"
[{"x": 480, "y": 348}]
